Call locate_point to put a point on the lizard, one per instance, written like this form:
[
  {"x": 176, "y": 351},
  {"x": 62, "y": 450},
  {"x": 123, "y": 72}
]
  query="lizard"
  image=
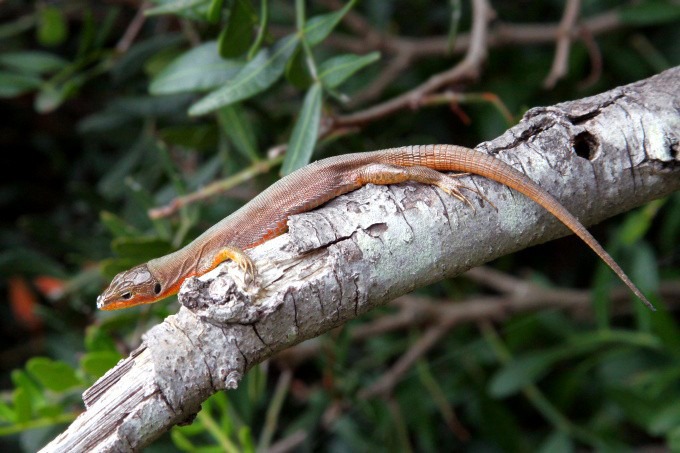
[{"x": 266, "y": 215}]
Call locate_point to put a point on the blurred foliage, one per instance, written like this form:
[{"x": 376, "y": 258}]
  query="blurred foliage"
[{"x": 109, "y": 112}]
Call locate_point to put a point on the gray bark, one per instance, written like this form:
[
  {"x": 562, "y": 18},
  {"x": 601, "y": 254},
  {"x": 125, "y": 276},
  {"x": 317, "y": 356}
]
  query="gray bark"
[{"x": 599, "y": 156}]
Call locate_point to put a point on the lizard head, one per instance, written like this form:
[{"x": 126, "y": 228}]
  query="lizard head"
[{"x": 133, "y": 287}]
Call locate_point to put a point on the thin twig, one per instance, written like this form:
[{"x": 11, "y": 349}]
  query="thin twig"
[
  {"x": 467, "y": 68},
  {"x": 132, "y": 30},
  {"x": 215, "y": 188},
  {"x": 408, "y": 50},
  {"x": 595, "y": 59},
  {"x": 454, "y": 99},
  {"x": 384, "y": 386},
  {"x": 190, "y": 32},
  {"x": 356, "y": 22},
  {"x": 289, "y": 443},
  {"x": 500, "y": 35},
  {"x": 274, "y": 410},
  {"x": 518, "y": 296},
  {"x": 393, "y": 69},
  {"x": 565, "y": 32},
  {"x": 400, "y": 426}
]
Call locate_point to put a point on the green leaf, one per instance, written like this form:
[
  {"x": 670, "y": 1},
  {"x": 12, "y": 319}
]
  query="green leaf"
[
  {"x": 98, "y": 363},
  {"x": 297, "y": 71},
  {"x": 667, "y": 329},
  {"x": 176, "y": 7},
  {"x": 262, "y": 29},
  {"x": 638, "y": 409},
  {"x": 145, "y": 106},
  {"x": 591, "y": 341},
  {"x": 666, "y": 419},
  {"x": 336, "y": 70},
  {"x": 32, "y": 62},
  {"x": 650, "y": 13},
  {"x": 17, "y": 26},
  {"x": 199, "y": 137},
  {"x": 519, "y": 373},
  {"x": 87, "y": 33},
  {"x": 142, "y": 248},
  {"x": 170, "y": 169},
  {"x": 644, "y": 270},
  {"x": 21, "y": 379},
  {"x": 245, "y": 438},
  {"x": 159, "y": 61},
  {"x": 50, "y": 410},
  {"x": 259, "y": 74},
  {"x": 236, "y": 36},
  {"x": 198, "y": 69},
  {"x": 12, "y": 85},
  {"x": 318, "y": 28},
  {"x": 138, "y": 56},
  {"x": 109, "y": 184},
  {"x": 195, "y": 428},
  {"x": 673, "y": 439},
  {"x": 20, "y": 260},
  {"x": 530, "y": 368},
  {"x": 53, "y": 374},
  {"x": 97, "y": 340},
  {"x": 6, "y": 413},
  {"x": 105, "y": 26},
  {"x": 116, "y": 225},
  {"x": 23, "y": 410},
  {"x": 181, "y": 441},
  {"x": 557, "y": 442},
  {"x": 638, "y": 222},
  {"x": 238, "y": 129},
  {"x": 456, "y": 13},
  {"x": 215, "y": 11},
  {"x": 305, "y": 133},
  {"x": 50, "y": 97},
  {"x": 499, "y": 423},
  {"x": 52, "y": 26}
]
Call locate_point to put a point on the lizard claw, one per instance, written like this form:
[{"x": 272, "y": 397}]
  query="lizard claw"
[
  {"x": 480, "y": 195},
  {"x": 247, "y": 266},
  {"x": 251, "y": 270},
  {"x": 454, "y": 188}
]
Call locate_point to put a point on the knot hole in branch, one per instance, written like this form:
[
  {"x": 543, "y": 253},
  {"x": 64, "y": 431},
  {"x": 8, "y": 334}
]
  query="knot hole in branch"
[{"x": 585, "y": 145}]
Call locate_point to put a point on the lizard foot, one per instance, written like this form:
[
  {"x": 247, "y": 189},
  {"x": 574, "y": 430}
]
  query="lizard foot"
[
  {"x": 457, "y": 187},
  {"x": 239, "y": 257}
]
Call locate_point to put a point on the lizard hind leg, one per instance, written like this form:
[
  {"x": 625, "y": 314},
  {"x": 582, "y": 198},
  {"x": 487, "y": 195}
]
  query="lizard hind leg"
[
  {"x": 239, "y": 257},
  {"x": 392, "y": 174}
]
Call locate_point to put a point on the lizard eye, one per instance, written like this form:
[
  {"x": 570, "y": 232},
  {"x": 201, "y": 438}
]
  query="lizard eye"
[
  {"x": 127, "y": 296},
  {"x": 157, "y": 288}
]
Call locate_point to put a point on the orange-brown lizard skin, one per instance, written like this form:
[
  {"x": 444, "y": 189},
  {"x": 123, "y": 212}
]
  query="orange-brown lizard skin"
[{"x": 266, "y": 215}]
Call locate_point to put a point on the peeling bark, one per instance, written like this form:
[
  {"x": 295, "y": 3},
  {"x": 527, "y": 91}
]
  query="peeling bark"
[{"x": 599, "y": 156}]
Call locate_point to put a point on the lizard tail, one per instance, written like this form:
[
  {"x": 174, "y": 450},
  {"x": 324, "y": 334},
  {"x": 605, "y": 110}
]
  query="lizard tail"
[{"x": 457, "y": 158}]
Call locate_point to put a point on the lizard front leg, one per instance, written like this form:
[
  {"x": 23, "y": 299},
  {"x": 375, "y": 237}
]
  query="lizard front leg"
[{"x": 236, "y": 255}]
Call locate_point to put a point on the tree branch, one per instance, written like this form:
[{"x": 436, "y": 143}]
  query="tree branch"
[
  {"x": 599, "y": 156},
  {"x": 468, "y": 68},
  {"x": 407, "y": 51}
]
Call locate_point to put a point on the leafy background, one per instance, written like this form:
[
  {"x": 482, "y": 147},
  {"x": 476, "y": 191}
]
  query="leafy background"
[{"x": 112, "y": 110}]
